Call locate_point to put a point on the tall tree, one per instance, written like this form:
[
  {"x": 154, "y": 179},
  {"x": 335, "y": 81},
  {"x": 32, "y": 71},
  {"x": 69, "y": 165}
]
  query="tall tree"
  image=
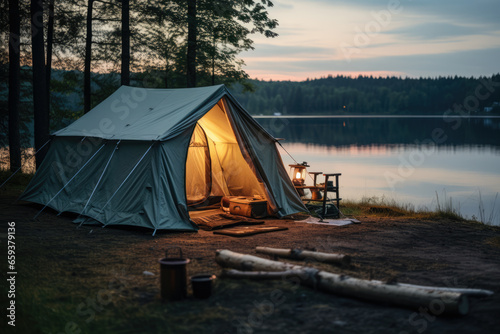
[
  {"x": 163, "y": 26},
  {"x": 191, "y": 43},
  {"x": 125, "y": 73},
  {"x": 14, "y": 84},
  {"x": 41, "y": 114},
  {"x": 224, "y": 29},
  {"x": 88, "y": 59},
  {"x": 50, "y": 42}
]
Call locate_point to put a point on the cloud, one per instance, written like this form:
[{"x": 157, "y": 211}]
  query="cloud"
[
  {"x": 282, "y": 5},
  {"x": 468, "y": 63},
  {"x": 269, "y": 50},
  {"x": 437, "y": 31},
  {"x": 425, "y": 38},
  {"x": 478, "y": 11},
  {"x": 475, "y": 12},
  {"x": 463, "y": 63}
]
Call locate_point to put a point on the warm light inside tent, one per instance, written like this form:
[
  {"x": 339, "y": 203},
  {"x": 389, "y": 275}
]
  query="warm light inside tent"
[{"x": 215, "y": 165}]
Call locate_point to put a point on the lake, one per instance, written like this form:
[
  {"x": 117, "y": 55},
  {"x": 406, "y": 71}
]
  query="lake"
[{"x": 409, "y": 159}]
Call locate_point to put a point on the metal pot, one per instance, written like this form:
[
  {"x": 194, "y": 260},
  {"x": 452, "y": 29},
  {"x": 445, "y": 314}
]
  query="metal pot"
[
  {"x": 173, "y": 276},
  {"x": 202, "y": 285}
]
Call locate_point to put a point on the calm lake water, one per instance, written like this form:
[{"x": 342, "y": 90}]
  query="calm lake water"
[{"x": 406, "y": 159}]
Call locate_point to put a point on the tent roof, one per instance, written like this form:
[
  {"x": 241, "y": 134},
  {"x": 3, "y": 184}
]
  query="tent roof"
[{"x": 133, "y": 113}]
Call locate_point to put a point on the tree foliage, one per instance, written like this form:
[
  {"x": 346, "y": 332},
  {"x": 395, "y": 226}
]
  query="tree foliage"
[{"x": 369, "y": 95}]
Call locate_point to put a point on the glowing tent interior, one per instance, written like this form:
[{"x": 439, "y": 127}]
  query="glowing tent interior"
[{"x": 142, "y": 157}]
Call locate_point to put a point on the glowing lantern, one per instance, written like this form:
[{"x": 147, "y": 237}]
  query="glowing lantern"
[{"x": 299, "y": 173}]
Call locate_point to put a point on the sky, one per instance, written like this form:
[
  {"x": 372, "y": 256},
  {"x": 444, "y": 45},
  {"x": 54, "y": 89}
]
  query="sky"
[{"x": 408, "y": 38}]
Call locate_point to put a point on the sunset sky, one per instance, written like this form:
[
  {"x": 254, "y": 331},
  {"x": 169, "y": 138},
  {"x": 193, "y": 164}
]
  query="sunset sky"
[{"x": 411, "y": 38}]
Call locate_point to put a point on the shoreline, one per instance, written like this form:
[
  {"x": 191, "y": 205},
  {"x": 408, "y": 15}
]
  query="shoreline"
[{"x": 377, "y": 116}]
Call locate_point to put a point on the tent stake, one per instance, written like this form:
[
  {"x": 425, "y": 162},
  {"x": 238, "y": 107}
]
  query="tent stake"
[{"x": 69, "y": 181}]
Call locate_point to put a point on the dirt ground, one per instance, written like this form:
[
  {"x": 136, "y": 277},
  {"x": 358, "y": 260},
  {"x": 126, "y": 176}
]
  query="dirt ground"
[{"x": 91, "y": 279}]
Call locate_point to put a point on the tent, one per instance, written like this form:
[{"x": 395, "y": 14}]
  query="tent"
[{"x": 143, "y": 157}]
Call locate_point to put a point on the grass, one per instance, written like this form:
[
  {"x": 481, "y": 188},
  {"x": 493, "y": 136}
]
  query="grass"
[
  {"x": 17, "y": 183},
  {"x": 446, "y": 209},
  {"x": 384, "y": 207},
  {"x": 494, "y": 241},
  {"x": 493, "y": 216}
]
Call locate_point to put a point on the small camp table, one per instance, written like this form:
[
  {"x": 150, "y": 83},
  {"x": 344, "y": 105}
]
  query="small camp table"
[{"x": 334, "y": 188}]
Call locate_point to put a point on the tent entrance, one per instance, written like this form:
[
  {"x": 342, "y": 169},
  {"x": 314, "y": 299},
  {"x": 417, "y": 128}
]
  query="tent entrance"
[
  {"x": 215, "y": 166},
  {"x": 198, "y": 168}
]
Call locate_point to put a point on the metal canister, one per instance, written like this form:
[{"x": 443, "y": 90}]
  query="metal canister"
[{"x": 173, "y": 276}]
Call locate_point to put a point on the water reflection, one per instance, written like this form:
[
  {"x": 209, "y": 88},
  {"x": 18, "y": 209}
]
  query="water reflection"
[
  {"x": 400, "y": 159},
  {"x": 380, "y": 149},
  {"x": 341, "y": 132}
]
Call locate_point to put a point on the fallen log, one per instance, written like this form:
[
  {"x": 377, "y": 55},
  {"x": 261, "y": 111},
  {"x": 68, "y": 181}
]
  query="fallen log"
[
  {"x": 263, "y": 275},
  {"x": 465, "y": 291},
  {"x": 439, "y": 302},
  {"x": 297, "y": 254}
]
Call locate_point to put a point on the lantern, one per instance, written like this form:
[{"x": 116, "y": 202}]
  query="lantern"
[{"x": 299, "y": 173}]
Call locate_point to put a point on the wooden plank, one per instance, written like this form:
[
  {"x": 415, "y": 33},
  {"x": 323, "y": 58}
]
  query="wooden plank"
[{"x": 246, "y": 231}]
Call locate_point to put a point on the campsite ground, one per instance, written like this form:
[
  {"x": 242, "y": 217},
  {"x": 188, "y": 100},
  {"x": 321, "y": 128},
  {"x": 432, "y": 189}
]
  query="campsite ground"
[{"x": 91, "y": 279}]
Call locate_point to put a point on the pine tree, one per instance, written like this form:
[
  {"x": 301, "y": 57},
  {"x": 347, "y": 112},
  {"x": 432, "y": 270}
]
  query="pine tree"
[{"x": 14, "y": 85}]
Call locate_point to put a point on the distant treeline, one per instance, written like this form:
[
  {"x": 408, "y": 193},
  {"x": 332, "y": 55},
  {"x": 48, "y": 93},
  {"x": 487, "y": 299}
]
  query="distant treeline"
[
  {"x": 369, "y": 95},
  {"x": 345, "y": 132},
  {"x": 361, "y": 95}
]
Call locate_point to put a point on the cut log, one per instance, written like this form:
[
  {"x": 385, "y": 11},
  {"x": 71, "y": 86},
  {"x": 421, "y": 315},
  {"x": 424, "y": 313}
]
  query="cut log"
[
  {"x": 260, "y": 275},
  {"x": 297, "y": 254},
  {"x": 233, "y": 273},
  {"x": 438, "y": 302},
  {"x": 465, "y": 291}
]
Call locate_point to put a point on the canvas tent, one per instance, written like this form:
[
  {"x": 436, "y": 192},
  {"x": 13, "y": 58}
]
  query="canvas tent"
[{"x": 143, "y": 156}]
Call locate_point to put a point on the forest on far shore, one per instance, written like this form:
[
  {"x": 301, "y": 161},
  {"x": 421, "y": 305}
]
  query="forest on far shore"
[
  {"x": 339, "y": 95},
  {"x": 342, "y": 95}
]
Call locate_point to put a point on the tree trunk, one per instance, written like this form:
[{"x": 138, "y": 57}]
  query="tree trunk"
[
  {"x": 443, "y": 302},
  {"x": 213, "y": 57},
  {"x": 167, "y": 67},
  {"x": 125, "y": 75},
  {"x": 298, "y": 254},
  {"x": 39, "y": 80},
  {"x": 50, "y": 42},
  {"x": 88, "y": 59},
  {"x": 191, "y": 49},
  {"x": 14, "y": 85}
]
